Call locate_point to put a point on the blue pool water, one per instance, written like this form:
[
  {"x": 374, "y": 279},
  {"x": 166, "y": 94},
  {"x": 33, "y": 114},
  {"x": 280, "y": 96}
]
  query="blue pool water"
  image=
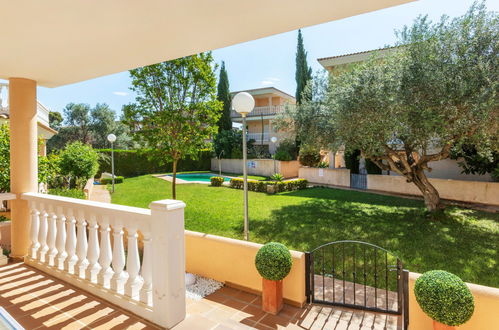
[{"x": 204, "y": 177}]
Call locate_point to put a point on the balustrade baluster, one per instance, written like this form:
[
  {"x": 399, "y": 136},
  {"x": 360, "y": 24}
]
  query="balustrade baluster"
[
  {"x": 93, "y": 250},
  {"x": 35, "y": 225},
  {"x": 146, "y": 271},
  {"x": 70, "y": 261},
  {"x": 119, "y": 277},
  {"x": 105, "y": 256},
  {"x": 51, "y": 236},
  {"x": 60, "y": 240},
  {"x": 42, "y": 234},
  {"x": 81, "y": 244},
  {"x": 134, "y": 282}
]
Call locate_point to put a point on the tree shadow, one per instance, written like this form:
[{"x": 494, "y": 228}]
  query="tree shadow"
[{"x": 458, "y": 242}]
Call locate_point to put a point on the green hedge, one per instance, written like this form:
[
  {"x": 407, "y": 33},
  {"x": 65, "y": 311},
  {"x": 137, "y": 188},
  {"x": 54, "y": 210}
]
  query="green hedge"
[
  {"x": 273, "y": 261},
  {"x": 261, "y": 186},
  {"x": 217, "y": 181},
  {"x": 118, "y": 179},
  {"x": 129, "y": 163},
  {"x": 444, "y": 297}
]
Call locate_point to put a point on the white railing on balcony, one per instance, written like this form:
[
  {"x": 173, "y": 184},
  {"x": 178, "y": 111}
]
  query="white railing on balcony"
[
  {"x": 262, "y": 111},
  {"x": 96, "y": 246},
  {"x": 258, "y": 137}
]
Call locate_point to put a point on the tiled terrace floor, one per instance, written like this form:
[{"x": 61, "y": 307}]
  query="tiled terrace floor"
[{"x": 39, "y": 301}]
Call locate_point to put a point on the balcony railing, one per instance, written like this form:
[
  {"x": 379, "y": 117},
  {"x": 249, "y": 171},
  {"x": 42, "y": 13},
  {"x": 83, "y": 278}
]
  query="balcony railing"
[
  {"x": 262, "y": 111},
  {"x": 258, "y": 137},
  {"x": 150, "y": 284}
]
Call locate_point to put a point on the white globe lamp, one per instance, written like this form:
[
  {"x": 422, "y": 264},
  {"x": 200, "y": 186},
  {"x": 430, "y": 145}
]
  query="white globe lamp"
[{"x": 243, "y": 103}]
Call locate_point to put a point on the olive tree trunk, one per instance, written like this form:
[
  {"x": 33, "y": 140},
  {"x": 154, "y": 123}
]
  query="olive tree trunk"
[{"x": 430, "y": 194}]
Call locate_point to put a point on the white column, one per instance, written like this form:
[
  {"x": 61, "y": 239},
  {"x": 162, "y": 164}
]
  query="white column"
[
  {"x": 105, "y": 257},
  {"x": 133, "y": 283},
  {"x": 168, "y": 269},
  {"x": 81, "y": 245},
  {"x": 93, "y": 250},
  {"x": 146, "y": 271},
  {"x": 60, "y": 241},
  {"x": 119, "y": 277},
  {"x": 71, "y": 259},
  {"x": 51, "y": 236},
  {"x": 42, "y": 234},
  {"x": 35, "y": 225}
]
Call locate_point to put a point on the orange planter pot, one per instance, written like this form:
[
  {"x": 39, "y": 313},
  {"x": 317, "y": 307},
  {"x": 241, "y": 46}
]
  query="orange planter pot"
[
  {"x": 271, "y": 296},
  {"x": 441, "y": 326}
]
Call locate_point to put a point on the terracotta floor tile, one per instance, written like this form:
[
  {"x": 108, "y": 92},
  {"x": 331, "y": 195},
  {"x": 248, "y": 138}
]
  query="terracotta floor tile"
[
  {"x": 27, "y": 288},
  {"x": 274, "y": 321},
  {"x": 228, "y": 291},
  {"x": 245, "y": 296},
  {"x": 232, "y": 305}
]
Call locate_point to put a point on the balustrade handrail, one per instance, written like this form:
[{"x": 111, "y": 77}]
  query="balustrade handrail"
[
  {"x": 83, "y": 243},
  {"x": 7, "y": 196}
]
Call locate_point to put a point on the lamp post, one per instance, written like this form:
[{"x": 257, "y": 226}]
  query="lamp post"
[
  {"x": 111, "y": 138},
  {"x": 243, "y": 103},
  {"x": 274, "y": 140}
]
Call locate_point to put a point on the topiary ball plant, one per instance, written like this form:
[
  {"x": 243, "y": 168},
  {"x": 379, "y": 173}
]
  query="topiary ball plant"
[
  {"x": 444, "y": 297},
  {"x": 273, "y": 261}
]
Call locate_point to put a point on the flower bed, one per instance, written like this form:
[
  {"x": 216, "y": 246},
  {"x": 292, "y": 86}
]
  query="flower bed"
[{"x": 269, "y": 186}]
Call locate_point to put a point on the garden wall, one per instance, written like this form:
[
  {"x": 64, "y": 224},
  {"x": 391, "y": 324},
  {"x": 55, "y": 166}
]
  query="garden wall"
[
  {"x": 466, "y": 191},
  {"x": 5, "y": 240},
  {"x": 332, "y": 176},
  {"x": 130, "y": 163},
  {"x": 484, "y": 317},
  {"x": 263, "y": 167},
  {"x": 232, "y": 261}
]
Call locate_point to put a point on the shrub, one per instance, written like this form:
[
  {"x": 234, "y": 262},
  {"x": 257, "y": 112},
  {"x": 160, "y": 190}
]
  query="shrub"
[
  {"x": 130, "y": 163},
  {"x": 277, "y": 177},
  {"x": 310, "y": 158},
  {"x": 282, "y": 155},
  {"x": 117, "y": 179},
  {"x": 4, "y": 158},
  {"x": 323, "y": 165},
  {"x": 301, "y": 183},
  {"x": 236, "y": 183},
  {"x": 73, "y": 193},
  {"x": 273, "y": 261},
  {"x": 3, "y": 218},
  {"x": 79, "y": 161},
  {"x": 288, "y": 146},
  {"x": 217, "y": 181},
  {"x": 444, "y": 297}
]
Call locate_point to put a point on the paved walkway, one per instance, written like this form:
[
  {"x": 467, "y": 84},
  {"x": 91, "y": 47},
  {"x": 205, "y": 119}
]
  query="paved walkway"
[
  {"x": 39, "y": 301},
  {"x": 100, "y": 194}
]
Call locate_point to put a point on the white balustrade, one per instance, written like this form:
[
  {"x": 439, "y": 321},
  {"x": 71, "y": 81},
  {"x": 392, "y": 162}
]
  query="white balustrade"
[{"x": 154, "y": 289}]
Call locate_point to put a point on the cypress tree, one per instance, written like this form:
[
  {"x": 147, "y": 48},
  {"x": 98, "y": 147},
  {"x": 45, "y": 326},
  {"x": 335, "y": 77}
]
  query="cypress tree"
[
  {"x": 223, "y": 95},
  {"x": 303, "y": 71}
]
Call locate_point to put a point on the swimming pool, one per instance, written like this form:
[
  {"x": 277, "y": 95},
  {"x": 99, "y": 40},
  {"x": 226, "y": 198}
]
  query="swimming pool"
[{"x": 204, "y": 177}]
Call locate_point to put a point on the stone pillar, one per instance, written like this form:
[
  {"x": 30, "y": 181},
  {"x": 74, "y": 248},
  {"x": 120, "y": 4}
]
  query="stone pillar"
[{"x": 23, "y": 159}]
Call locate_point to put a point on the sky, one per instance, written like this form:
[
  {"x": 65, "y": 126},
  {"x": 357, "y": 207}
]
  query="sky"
[{"x": 271, "y": 61}]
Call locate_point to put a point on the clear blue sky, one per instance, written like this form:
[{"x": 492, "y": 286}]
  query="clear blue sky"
[{"x": 270, "y": 61}]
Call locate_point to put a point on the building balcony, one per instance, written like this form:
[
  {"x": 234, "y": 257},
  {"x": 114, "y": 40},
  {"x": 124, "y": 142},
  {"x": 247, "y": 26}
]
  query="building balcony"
[
  {"x": 271, "y": 110},
  {"x": 258, "y": 137}
]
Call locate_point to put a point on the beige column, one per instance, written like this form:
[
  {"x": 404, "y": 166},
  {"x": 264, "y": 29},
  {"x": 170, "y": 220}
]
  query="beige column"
[{"x": 23, "y": 158}]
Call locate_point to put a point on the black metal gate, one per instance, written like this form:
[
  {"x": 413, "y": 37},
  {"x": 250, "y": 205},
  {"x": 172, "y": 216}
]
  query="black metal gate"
[
  {"x": 358, "y": 275},
  {"x": 358, "y": 181}
]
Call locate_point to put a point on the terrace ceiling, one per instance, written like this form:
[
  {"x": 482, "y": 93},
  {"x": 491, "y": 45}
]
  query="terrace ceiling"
[{"x": 59, "y": 42}]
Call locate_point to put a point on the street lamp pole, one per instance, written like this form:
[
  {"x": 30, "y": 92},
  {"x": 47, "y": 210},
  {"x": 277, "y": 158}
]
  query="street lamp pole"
[
  {"x": 112, "y": 138},
  {"x": 243, "y": 103},
  {"x": 274, "y": 140}
]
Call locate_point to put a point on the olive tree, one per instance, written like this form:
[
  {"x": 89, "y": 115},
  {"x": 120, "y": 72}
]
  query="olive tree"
[
  {"x": 176, "y": 109},
  {"x": 437, "y": 90}
]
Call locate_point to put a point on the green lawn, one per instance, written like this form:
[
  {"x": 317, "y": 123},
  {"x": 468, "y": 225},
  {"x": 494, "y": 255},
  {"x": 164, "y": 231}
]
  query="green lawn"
[{"x": 463, "y": 241}]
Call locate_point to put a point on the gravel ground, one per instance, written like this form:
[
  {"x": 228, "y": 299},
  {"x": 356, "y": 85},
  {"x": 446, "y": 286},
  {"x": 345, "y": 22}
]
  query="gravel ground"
[{"x": 203, "y": 287}]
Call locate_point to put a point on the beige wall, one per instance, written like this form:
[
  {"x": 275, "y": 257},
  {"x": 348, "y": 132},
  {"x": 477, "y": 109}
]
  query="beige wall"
[
  {"x": 233, "y": 262},
  {"x": 337, "y": 176},
  {"x": 255, "y": 126},
  {"x": 484, "y": 317},
  {"x": 264, "y": 167},
  {"x": 467, "y": 191}
]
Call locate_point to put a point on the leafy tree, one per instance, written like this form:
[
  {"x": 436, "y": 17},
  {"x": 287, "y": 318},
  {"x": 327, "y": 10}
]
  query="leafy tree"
[
  {"x": 55, "y": 120},
  {"x": 79, "y": 162},
  {"x": 176, "y": 110},
  {"x": 303, "y": 71},
  {"x": 223, "y": 95},
  {"x": 436, "y": 91},
  {"x": 4, "y": 158},
  {"x": 77, "y": 115},
  {"x": 476, "y": 163}
]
